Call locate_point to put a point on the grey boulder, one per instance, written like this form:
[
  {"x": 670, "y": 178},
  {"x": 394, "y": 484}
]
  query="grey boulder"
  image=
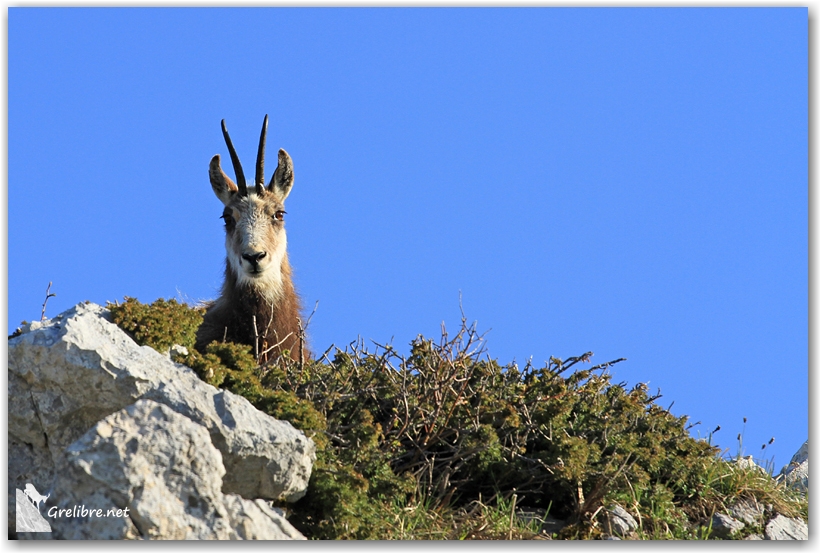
[
  {"x": 724, "y": 526},
  {"x": 67, "y": 373},
  {"x": 784, "y": 528},
  {"x": 149, "y": 472}
]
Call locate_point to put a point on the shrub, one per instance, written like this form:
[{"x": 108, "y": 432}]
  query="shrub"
[
  {"x": 159, "y": 325},
  {"x": 446, "y": 443}
]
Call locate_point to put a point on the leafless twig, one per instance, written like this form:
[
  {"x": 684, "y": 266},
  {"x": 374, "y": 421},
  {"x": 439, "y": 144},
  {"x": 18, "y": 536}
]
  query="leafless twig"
[
  {"x": 48, "y": 295},
  {"x": 301, "y": 345},
  {"x": 276, "y": 345},
  {"x": 255, "y": 340},
  {"x": 312, "y": 313}
]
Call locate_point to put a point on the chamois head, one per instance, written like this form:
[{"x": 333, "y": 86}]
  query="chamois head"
[
  {"x": 259, "y": 305},
  {"x": 255, "y": 240}
]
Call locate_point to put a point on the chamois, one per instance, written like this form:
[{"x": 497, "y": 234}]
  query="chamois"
[{"x": 258, "y": 305}]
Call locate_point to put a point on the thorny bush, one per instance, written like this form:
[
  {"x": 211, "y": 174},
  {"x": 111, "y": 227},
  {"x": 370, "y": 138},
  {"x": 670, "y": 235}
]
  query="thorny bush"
[{"x": 448, "y": 428}]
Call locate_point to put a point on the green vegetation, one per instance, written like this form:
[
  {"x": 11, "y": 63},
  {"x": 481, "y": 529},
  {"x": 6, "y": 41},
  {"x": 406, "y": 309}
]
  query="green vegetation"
[
  {"x": 159, "y": 325},
  {"x": 448, "y": 444}
]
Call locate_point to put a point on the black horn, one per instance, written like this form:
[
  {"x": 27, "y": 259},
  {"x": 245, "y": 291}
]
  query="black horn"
[
  {"x": 237, "y": 167},
  {"x": 260, "y": 159}
]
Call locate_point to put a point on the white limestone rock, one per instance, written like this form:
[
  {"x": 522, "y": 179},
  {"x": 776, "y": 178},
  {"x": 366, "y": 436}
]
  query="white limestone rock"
[
  {"x": 784, "y": 528},
  {"x": 153, "y": 474},
  {"x": 796, "y": 473},
  {"x": 67, "y": 373}
]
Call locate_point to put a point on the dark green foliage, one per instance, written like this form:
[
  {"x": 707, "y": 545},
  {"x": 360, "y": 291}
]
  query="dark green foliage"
[
  {"x": 447, "y": 429},
  {"x": 159, "y": 325}
]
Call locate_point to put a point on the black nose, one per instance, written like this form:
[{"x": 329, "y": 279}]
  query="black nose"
[{"x": 253, "y": 258}]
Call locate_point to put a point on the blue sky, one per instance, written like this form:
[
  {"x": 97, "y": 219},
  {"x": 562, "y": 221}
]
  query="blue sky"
[{"x": 632, "y": 182}]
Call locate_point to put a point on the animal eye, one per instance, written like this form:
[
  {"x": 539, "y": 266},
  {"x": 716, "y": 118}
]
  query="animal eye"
[
  {"x": 279, "y": 215},
  {"x": 227, "y": 217}
]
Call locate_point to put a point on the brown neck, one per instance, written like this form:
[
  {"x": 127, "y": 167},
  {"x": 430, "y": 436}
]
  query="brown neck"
[{"x": 276, "y": 324}]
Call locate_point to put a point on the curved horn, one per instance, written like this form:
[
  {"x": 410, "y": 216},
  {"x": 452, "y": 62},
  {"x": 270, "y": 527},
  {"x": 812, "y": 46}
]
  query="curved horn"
[
  {"x": 237, "y": 167},
  {"x": 260, "y": 159}
]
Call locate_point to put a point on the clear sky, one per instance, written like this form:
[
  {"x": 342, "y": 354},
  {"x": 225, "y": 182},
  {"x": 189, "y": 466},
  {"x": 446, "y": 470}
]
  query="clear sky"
[{"x": 632, "y": 182}]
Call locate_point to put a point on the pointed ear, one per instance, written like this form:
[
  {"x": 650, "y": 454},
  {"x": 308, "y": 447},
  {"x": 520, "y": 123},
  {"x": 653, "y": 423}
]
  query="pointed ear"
[
  {"x": 223, "y": 186},
  {"x": 282, "y": 179}
]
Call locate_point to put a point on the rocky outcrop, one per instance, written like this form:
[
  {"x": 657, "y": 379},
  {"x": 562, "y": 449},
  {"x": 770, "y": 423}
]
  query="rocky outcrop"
[
  {"x": 796, "y": 473},
  {"x": 69, "y": 373},
  {"x": 749, "y": 511},
  {"x": 784, "y": 528},
  {"x": 149, "y": 472}
]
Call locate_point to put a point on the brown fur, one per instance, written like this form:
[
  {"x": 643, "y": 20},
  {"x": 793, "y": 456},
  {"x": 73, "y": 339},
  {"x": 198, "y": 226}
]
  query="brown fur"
[{"x": 235, "y": 311}]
